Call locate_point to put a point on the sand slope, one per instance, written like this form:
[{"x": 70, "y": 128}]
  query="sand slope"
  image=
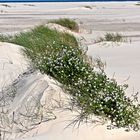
[
  {"x": 36, "y": 85},
  {"x": 123, "y": 59},
  {"x": 12, "y": 63}
]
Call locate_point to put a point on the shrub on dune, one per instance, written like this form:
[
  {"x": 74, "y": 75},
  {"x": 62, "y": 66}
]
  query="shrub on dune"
[
  {"x": 68, "y": 23},
  {"x": 58, "y": 55}
]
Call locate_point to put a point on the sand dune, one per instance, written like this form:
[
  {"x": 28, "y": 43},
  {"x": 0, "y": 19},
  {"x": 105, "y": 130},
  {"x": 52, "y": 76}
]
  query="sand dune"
[
  {"x": 12, "y": 63},
  {"x": 123, "y": 59}
]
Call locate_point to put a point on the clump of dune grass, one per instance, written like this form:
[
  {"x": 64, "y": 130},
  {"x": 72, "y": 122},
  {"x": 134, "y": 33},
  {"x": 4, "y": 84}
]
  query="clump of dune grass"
[
  {"x": 137, "y": 4},
  {"x": 4, "y": 38},
  {"x": 68, "y": 23},
  {"x": 6, "y": 5},
  {"x": 93, "y": 93},
  {"x": 88, "y": 7},
  {"x": 113, "y": 37}
]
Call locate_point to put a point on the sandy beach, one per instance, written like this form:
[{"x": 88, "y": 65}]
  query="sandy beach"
[{"x": 122, "y": 59}]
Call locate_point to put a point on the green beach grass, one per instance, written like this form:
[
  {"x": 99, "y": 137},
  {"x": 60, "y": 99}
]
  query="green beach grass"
[
  {"x": 113, "y": 37},
  {"x": 68, "y": 23},
  {"x": 93, "y": 93}
]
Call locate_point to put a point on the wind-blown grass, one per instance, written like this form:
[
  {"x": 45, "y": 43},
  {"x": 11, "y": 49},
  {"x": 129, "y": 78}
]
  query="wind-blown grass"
[
  {"x": 68, "y": 23},
  {"x": 113, "y": 37},
  {"x": 58, "y": 55}
]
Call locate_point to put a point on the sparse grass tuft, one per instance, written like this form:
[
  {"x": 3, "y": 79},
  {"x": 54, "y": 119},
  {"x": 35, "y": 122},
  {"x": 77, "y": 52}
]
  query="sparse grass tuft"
[
  {"x": 114, "y": 37},
  {"x": 68, "y": 23},
  {"x": 4, "y": 38},
  {"x": 137, "y": 4},
  {"x": 88, "y": 7},
  {"x": 6, "y": 5},
  {"x": 58, "y": 55}
]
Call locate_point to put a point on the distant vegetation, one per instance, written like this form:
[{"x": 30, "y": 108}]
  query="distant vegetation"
[
  {"x": 137, "y": 4},
  {"x": 88, "y": 7},
  {"x": 68, "y": 23},
  {"x": 114, "y": 37},
  {"x": 59, "y": 55},
  {"x": 6, "y": 5}
]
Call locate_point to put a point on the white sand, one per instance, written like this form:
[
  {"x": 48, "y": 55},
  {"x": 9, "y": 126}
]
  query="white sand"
[
  {"x": 12, "y": 63},
  {"x": 103, "y": 16},
  {"x": 123, "y": 59}
]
